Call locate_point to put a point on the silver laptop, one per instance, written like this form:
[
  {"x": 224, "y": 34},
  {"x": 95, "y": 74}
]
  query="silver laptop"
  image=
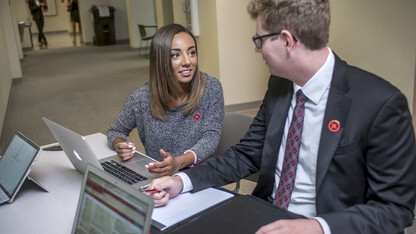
[
  {"x": 80, "y": 153},
  {"x": 15, "y": 165},
  {"x": 108, "y": 205}
]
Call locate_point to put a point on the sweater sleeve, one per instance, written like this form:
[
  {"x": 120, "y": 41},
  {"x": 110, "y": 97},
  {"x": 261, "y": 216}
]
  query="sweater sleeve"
[
  {"x": 213, "y": 104},
  {"x": 124, "y": 123}
]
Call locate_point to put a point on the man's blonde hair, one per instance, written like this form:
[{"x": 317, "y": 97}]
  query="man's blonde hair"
[{"x": 307, "y": 20}]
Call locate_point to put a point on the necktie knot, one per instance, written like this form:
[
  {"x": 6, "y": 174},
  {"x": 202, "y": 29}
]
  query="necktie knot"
[{"x": 300, "y": 97}]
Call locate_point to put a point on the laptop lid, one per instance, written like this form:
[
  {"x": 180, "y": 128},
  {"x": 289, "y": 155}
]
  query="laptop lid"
[
  {"x": 80, "y": 154},
  {"x": 16, "y": 164},
  {"x": 109, "y": 205},
  {"x": 74, "y": 145}
]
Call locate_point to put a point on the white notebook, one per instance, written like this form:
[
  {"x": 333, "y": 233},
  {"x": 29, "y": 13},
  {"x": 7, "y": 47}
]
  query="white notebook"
[{"x": 186, "y": 205}]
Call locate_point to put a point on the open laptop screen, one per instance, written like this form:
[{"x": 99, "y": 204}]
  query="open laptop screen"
[
  {"x": 105, "y": 207},
  {"x": 15, "y": 163}
]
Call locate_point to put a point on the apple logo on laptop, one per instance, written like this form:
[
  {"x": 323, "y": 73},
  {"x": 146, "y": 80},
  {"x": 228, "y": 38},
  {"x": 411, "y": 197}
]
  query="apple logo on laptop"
[{"x": 77, "y": 155}]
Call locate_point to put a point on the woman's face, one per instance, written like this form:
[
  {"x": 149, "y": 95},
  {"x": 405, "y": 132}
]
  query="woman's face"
[{"x": 183, "y": 56}]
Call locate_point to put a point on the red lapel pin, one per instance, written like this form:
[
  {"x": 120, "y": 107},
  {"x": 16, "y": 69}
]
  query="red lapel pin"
[{"x": 334, "y": 126}]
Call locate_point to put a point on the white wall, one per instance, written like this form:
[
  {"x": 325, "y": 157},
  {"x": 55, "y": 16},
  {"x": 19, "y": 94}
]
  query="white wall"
[
  {"x": 16, "y": 31},
  {"x": 5, "y": 64},
  {"x": 9, "y": 25},
  {"x": 227, "y": 52},
  {"x": 120, "y": 19},
  {"x": 378, "y": 36},
  {"x": 208, "y": 38},
  {"x": 179, "y": 16},
  {"x": 240, "y": 66},
  {"x": 140, "y": 12},
  {"x": 59, "y": 22}
]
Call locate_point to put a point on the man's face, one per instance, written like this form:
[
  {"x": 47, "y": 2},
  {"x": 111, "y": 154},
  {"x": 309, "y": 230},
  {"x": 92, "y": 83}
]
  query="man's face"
[{"x": 272, "y": 49}]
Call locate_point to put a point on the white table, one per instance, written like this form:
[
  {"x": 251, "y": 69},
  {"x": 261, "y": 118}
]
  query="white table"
[{"x": 36, "y": 211}]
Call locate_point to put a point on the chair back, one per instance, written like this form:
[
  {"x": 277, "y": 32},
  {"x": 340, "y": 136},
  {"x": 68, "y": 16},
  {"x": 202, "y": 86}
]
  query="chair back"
[
  {"x": 235, "y": 126},
  {"x": 142, "y": 31}
]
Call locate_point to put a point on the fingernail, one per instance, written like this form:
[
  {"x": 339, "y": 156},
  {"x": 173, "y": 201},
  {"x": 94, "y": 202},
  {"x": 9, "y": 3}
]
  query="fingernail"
[
  {"x": 150, "y": 164},
  {"x": 147, "y": 166}
]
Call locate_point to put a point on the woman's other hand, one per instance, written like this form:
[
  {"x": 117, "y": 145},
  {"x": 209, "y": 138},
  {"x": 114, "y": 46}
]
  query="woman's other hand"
[
  {"x": 124, "y": 149},
  {"x": 167, "y": 167}
]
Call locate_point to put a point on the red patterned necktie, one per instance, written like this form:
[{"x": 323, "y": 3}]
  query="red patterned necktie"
[{"x": 287, "y": 177}]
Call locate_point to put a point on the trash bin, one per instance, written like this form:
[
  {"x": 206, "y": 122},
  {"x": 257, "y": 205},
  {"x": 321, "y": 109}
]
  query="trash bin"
[
  {"x": 22, "y": 25},
  {"x": 104, "y": 25}
]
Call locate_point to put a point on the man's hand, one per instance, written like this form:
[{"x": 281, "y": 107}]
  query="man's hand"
[
  {"x": 307, "y": 226},
  {"x": 168, "y": 187}
]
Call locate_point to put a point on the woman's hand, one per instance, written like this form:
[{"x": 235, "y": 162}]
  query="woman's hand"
[
  {"x": 168, "y": 166},
  {"x": 124, "y": 149}
]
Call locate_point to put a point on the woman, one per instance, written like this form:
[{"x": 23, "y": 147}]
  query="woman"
[
  {"x": 36, "y": 8},
  {"x": 179, "y": 113},
  {"x": 72, "y": 6}
]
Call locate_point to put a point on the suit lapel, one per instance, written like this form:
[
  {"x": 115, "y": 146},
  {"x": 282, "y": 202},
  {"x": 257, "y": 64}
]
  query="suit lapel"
[
  {"x": 279, "y": 102},
  {"x": 336, "y": 110},
  {"x": 276, "y": 126}
]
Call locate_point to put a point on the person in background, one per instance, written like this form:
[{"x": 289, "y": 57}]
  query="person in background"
[
  {"x": 73, "y": 8},
  {"x": 332, "y": 142},
  {"x": 179, "y": 113},
  {"x": 36, "y": 8}
]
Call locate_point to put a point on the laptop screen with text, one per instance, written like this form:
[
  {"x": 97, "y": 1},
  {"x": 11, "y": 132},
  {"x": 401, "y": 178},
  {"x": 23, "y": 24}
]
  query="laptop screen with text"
[
  {"x": 16, "y": 163},
  {"x": 108, "y": 205}
]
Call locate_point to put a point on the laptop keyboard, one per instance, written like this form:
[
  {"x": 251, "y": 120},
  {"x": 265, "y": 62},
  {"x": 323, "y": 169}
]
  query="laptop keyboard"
[{"x": 122, "y": 172}]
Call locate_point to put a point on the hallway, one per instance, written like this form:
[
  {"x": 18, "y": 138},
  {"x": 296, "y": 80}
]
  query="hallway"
[{"x": 82, "y": 88}]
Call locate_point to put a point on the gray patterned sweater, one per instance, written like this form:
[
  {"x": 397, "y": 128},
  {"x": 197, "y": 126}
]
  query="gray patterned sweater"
[{"x": 199, "y": 131}]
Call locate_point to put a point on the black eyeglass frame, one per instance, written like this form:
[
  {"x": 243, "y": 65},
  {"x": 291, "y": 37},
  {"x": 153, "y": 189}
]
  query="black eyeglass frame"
[{"x": 258, "y": 40}]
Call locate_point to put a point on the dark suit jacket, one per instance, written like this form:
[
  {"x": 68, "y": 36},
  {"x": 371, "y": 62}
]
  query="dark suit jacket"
[
  {"x": 366, "y": 171},
  {"x": 35, "y": 10}
]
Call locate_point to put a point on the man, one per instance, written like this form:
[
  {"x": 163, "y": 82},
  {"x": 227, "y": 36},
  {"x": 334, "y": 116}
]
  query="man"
[
  {"x": 350, "y": 149},
  {"x": 36, "y": 8}
]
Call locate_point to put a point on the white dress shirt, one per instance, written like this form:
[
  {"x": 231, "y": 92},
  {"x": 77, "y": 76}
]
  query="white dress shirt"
[
  {"x": 304, "y": 195},
  {"x": 316, "y": 90}
]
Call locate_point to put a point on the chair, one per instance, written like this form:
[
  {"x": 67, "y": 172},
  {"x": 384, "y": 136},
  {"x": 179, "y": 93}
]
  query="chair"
[
  {"x": 144, "y": 37},
  {"x": 235, "y": 126}
]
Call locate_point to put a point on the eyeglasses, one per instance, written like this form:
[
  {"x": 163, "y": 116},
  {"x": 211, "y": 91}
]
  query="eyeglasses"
[{"x": 258, "y": 40}]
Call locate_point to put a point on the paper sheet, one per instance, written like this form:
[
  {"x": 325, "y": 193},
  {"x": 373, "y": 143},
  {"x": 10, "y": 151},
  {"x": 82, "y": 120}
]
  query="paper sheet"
[
  {"x": 103, "y": 11},
  {"x": 187, "y": 204}
]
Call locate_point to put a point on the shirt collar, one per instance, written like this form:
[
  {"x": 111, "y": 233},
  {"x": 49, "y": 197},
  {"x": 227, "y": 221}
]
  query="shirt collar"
[{"x": 315, "y": 88}]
